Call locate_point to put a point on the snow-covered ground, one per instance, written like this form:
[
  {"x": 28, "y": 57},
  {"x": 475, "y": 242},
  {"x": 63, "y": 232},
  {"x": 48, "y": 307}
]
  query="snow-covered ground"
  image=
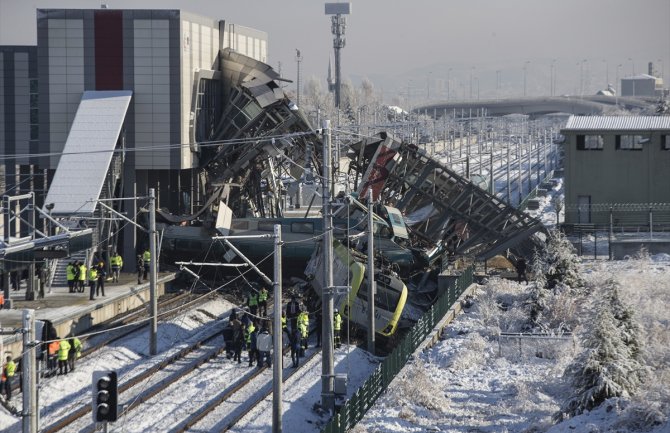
[
  {"x": 472, "y": 381},
  {"x": 129, "y": 356},
  {"x": 464, "y": 384}
]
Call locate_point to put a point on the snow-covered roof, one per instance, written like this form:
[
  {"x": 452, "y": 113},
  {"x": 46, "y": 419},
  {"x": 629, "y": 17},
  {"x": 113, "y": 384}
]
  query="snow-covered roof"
[
  {"x": 617, "y": 123},
  {"x": 640, "y": 77}
]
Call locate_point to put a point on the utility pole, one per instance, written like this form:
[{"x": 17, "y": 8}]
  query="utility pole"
[
  {"x": 371, "y": 275},
  {"x": 298, "y": 59},
  {"x": 277, "y": 337},
  {"x": 153, "y": 342},
  {"x": 29, "y": 376},
  {"x": 327, "y": 365}
]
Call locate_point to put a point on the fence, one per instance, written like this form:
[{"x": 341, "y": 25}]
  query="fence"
[
  {"x": 355, "y": 408},
  {"x": 541, "y": 345}
]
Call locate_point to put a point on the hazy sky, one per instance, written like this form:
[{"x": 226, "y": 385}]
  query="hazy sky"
[{"x": 424, "y": 38}]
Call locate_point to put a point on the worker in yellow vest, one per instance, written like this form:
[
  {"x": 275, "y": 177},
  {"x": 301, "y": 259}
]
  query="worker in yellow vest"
[
  {"x": 63, "y": 352},
  {"x": 92, "y": 280},
  {"x": 252, "y": 302},
  {"x": 70, "y": 274},
  {"x": 303, "y": 327},
  {"x": 75, "y": 351},
  {"x": 337, "y": 327},
  {"x": 8, "y": 371},
  {"x": 82, "y": 277},
  {"x": 116, "y": 261},
  {"x": 146, "y": 257},
  {"x": 263, "y": 302}
]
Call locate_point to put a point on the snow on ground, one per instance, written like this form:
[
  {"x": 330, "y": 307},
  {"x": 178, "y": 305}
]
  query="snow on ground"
[
  {"x": 468, "y": 382},
  {"x": 303, "y": 390},
  {"x": 463, "y": 384},
  {"x": 129, "y": 356}
]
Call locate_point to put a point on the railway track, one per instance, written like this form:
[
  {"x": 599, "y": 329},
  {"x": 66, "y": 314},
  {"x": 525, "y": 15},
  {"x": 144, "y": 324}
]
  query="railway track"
[
  {"x": 167, "y": 309},
  {"x": 258, "y": 382},
  {"x": 198, "y": 356}
]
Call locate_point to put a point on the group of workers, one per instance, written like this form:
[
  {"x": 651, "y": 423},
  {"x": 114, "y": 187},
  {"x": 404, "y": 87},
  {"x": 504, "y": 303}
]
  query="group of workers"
[
  {"x": 61, "y": 355},
  {"x": 243, "y": 332},
  {"x": 77, "y": 274}
]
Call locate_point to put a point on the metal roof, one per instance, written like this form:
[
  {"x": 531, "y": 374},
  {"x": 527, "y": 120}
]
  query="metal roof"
[
  {"x": 617, "y": 123},
  {"x": 88, "y": 151}
]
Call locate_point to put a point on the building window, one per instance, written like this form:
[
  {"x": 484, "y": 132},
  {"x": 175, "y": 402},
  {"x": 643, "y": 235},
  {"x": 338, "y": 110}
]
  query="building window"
[
  {"x": 665, "y": 142},
  {"x": 590, "y": 142},
  {"x": 631, "y": 142}
]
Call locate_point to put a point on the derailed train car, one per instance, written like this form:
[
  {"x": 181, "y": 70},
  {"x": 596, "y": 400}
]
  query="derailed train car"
[{"x": 349, "y": 271}]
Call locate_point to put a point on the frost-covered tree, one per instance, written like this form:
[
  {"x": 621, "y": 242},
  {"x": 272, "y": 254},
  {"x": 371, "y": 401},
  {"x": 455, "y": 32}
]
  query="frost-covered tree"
[
  {"x": 630, "y": 329},
  {"x": 557, "y": 263},
  {"x": 606, "y": 368},
  {"x": 537, "y": 300}
]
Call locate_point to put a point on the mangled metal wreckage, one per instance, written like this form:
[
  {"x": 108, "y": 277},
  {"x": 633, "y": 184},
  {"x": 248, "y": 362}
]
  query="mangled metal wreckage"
[{"x": 258, "y": 140}]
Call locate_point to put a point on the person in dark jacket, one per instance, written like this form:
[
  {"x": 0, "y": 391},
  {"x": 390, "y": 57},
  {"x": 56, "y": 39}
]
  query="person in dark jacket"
[
  {"x": 227, "y": 334},
  {"x": 521, "y": 270},
  {"x": 292, "y": 311},
  {"x": 102, "y": 274},
  {"x": 295, "y": 347},
  {"x": 238, "y": 340},
  {"x": 140, "y": 268}
]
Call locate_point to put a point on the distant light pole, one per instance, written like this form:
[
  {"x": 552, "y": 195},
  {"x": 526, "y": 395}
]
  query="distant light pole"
[
  {"x": 298, "y": 59},
  {"x": 617, "y": 85},
  {"x": 607, "y": 73},
  {"x": 449, "y": 83},
  {"x": 428, "y": 86},
  {"x": 581, "y": 78},
  {"x": 498, "y": 83},
  {"x": 472, "y": 70},
  {"x": 632, "y": 65},
  {"x": 551, "y": 77},
  {"x": 525, "y": 74}
]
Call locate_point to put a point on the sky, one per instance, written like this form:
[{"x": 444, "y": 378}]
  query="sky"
[{"x": 419, "y": 41}]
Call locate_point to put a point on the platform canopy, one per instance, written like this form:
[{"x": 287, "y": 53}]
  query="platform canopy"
[{"x": 88, "y": 152}]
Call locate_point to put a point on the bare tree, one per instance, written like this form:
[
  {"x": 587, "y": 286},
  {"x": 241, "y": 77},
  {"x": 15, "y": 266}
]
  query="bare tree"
[{"x": 557, "y": 202}]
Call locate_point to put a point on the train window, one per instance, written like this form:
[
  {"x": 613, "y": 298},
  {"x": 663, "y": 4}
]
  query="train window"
[
  {"x": 384, "y": 298},
  {"x": 267, "y": 226},
  {"x": 302, "y": 227},
  {"x": 240, "y": 225}
]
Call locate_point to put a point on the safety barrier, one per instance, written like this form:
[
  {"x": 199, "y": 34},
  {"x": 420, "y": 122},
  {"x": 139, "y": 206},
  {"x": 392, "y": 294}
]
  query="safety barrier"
[{"x": 355, "y": 408}]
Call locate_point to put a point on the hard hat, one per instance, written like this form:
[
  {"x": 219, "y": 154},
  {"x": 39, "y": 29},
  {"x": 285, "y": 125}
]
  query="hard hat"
[{"x": 337, "y": 311}]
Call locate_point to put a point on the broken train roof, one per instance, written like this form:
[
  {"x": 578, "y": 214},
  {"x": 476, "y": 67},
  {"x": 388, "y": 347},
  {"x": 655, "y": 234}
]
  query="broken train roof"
[{"x": 447, "y": 208}]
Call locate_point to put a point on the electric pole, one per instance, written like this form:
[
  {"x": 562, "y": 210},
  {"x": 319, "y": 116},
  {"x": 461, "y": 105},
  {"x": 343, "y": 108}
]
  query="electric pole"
[
  {"x": 298, "y": 59},
  {"x": 371, "y": 275},
  {"x": 327, "y": 365},
  {"x": 29, "y": 376},
  {"x": 277, "y": 337},
  {"x": 153, "y": 346}
]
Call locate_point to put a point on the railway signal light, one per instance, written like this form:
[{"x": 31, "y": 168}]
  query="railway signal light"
[{"x": 105, "y": 396}]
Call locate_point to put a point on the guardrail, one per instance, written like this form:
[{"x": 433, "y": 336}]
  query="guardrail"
[{"x": 354, "y": 409}]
